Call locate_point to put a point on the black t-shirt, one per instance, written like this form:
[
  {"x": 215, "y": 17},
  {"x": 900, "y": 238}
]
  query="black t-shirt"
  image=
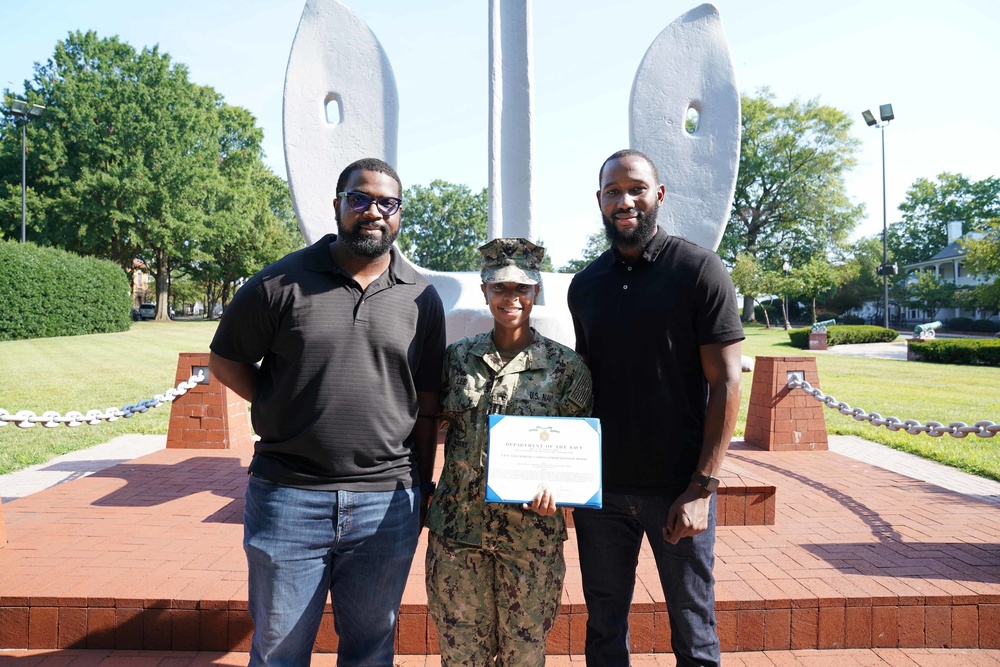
[
  {"x": 336, "y": 397},
  {"x": 640, "y": 326}
]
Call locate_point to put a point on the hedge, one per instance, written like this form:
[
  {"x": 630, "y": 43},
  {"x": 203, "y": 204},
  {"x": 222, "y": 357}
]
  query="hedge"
[
  {"x": 971, "y": 325},
  {"x": 841, "y": 334},
  {"x": 964, "y": 351},
  {"x": 46, "y": 292}
]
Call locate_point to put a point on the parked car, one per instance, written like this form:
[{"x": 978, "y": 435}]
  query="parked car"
[
  {"x": 147, "y": 311},
  {"x": 135, "y": 314}
]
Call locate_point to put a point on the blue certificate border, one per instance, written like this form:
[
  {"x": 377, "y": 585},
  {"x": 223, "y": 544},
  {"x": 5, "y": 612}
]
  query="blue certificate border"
[{"x": 596, "y": 501}]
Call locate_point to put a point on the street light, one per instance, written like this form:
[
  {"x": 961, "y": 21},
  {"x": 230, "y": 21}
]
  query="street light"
[
  {"x": 885, "y": 113},
  {"x": 27, "y": 112},
  {"x": 786, "y": 268}
]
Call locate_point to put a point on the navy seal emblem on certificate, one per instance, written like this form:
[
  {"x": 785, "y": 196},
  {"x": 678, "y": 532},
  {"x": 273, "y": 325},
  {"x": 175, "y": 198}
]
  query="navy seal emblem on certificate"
[{"x": 562, "y": 454}]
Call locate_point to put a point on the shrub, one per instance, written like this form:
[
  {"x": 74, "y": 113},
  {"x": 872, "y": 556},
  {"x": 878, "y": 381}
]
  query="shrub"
[
  {"x": 840, "y": 334},
  {"x": 971, "y": 325},
  {"x": 46, "y": 292},
  {"x": 964, "y": 351},
  {"x": 850, "y": 319}
]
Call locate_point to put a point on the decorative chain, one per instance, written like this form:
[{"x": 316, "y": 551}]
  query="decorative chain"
[
  {"x": 983, "y": 429},
  {"x": 52, "y": 419}
]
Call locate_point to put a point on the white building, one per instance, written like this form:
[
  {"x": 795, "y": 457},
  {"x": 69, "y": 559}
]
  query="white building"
[{"x": 948, "y": 266}]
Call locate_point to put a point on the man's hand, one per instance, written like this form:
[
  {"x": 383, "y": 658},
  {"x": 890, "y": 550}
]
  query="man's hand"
[
  {"x": 688, "y": 515},
  {"x": 543, "y": 504}
]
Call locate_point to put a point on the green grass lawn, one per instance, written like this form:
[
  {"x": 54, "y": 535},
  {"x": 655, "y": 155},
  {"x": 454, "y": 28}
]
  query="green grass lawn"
[
  {"x": 903, "y": 389},
  {"x": 101, "y": 371},
  {"x": 85, "y": 373}
]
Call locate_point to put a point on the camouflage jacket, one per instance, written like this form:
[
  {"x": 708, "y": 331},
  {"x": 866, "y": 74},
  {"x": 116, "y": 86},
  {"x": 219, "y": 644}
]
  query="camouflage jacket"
[{"x": 546, "y": 378}]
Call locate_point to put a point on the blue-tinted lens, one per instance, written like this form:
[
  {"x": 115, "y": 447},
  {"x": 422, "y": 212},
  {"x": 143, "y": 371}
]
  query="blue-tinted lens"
[{"x": 359, "y": 201}]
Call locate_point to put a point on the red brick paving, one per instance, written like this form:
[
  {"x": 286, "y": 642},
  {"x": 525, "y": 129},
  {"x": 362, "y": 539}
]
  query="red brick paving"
[
  {"x": 148, "y": 554},
  {"x": 809, "y": 658}
]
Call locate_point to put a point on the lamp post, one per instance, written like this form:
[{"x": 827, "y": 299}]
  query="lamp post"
[
  {"x": 785, "y": 270},
  {"x": 885, "y": 114},
  {"x": 27, "y": 112}
]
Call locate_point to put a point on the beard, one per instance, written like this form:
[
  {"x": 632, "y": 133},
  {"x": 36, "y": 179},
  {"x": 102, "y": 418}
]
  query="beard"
[
  {"x": 366, "y": 246},
  {"x": 631, "y": 238}
]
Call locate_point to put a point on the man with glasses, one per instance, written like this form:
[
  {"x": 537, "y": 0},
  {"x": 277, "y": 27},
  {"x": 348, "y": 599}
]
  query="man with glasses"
[{"x": 350, "y": 342}]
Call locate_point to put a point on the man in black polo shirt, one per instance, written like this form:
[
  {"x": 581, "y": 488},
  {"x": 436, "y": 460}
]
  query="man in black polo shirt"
[
  {"x": 655, "y": 317},
  {"x": 350, "y": 342}
]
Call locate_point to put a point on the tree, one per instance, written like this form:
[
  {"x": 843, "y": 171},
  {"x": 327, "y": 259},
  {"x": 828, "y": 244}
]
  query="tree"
[
  {"x": 597, "y": 243},
  {"x": 126, "y": 146},
  {"x": 930, "y": 205},
  {"x": 250, "y": 222},
  {"x": 926, "y": 292},
  {"x": 983, "y": 259},
  {"x": 752, "y": 281},
  {"x": 861, "y": 262},
  {"x": 820, "y": 276},
  {"x": 136, "y": 163},
  {"x": 442, "y": 226},
  {"x": 790, "y": 201}
]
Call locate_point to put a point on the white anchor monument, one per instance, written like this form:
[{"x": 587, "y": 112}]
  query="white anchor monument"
[{"x": 341, "y": 104}]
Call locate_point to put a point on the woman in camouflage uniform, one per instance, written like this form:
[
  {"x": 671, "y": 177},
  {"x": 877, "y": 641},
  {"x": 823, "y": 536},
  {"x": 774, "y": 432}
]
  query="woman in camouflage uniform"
[{"x": 495, "y": 571}]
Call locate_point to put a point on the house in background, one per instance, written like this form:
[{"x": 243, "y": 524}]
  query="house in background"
[
  {"x": 142, "y": 284},
  {"x": 948, "y": 265}
]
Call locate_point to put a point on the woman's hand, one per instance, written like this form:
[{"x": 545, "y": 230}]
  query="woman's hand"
[{"x": 543, "y": 504}]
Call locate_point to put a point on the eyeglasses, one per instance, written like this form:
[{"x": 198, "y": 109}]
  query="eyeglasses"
[{"x": 359, "y": 202}]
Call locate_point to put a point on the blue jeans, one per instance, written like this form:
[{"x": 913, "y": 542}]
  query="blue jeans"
[
  {"x": 301, "y": 544},
  {"x": 609, "y": 540}
]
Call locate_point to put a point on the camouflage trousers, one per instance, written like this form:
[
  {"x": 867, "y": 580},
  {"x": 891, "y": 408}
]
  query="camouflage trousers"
[{"x": 490, "y": 605}]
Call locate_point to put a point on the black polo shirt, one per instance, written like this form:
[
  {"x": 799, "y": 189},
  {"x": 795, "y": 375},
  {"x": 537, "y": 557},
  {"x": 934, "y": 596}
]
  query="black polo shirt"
[
  {"x": 640, "y": 326},
  {"x": 336, "y": 397}
]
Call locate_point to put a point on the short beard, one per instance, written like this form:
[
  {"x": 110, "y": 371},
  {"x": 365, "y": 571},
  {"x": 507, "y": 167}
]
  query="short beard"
[
  {"x": 366, "y": 246},
  {"x": 633, "y": 238}
]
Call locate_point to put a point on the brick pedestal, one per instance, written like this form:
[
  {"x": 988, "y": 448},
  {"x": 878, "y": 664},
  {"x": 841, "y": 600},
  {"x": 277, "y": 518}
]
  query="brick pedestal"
[
  {"x": 3, "y": 528},
  {"x": 783, "y": 419},
  {"x": 210, "y": 416},
  {"x": 817, "y": 341}
]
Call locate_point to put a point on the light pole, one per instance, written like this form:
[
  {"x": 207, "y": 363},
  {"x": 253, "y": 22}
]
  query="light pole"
[
  {"x": 785, "y": 270},
  {"x": 885, "y": 113},
  {"x": 27, "y": 112}
]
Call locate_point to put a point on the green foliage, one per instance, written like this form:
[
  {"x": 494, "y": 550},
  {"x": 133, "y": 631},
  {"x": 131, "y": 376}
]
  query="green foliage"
[
  {"x": 597, "y": 243},
  {"x": 850, "y": 319},
  {"x": 963, "y": 351},
  {"x": 442, "y": 226},
  {"x": 839, "y": 334},
  {"x": 927, "y": 292},
  {"x": 46, "y": 292},
  {"x": 135, "y": 163},
  {"x": 790, "y": 198},
  {"x": 967, "y": 324},
  {"x": 863, "y": 284},
  {"x": 983, "y": 259},
  {"x": 819, "y": 276},
  {"x": 930, "y": 205}
]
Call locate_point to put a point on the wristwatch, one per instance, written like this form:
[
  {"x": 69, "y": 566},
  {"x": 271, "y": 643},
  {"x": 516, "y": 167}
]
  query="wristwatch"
[
  {"x": 427, "y": 489},
  {"x": 707, "y": 482}
]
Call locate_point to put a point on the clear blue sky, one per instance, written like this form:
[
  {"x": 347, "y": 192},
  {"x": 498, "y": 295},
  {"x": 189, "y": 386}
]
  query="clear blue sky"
[{"x": 937, "y": 63}]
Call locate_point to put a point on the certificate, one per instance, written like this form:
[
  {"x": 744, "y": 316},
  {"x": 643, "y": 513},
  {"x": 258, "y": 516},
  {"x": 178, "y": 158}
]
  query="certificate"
[{"x": 562, "y": 454}]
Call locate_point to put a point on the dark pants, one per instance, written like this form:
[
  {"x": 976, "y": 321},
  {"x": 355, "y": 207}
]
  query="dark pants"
[{"x": 609, "y": 540}]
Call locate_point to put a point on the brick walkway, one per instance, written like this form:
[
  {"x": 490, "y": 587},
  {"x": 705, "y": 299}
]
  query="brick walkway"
[
  {"x": 147, "y": 555},
  {"x": 887, "y": 657}
]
